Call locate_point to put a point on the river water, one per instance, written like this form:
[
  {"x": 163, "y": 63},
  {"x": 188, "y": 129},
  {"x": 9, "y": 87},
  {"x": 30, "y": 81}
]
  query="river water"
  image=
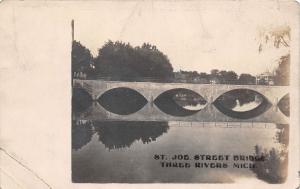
[
  {"x": 168, "y": 152},
  {"x": 124, "y": 152}
]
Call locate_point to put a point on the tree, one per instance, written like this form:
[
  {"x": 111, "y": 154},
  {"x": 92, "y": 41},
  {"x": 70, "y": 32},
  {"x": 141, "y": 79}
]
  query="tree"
[
  {"x": 247, "y": 79},
  {"x": 282, "y": 73},
  {"x": 203, "y": 75},
  {"x": 226, "y": 77},
  {"x": 278, "y": 37},
  {"x": 82, "y": 59},
  {"x": 214, "y": 72},
  {"x": 231, "y": 77},
  {"x": 121, "y": 61}
]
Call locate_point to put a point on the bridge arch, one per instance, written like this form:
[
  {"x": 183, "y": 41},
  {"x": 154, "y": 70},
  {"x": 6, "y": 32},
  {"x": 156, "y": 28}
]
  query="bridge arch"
[
  {"x": 209, "y": 92},
  {"x": 122, "y": 100},
  {"x": 242, "y": 103},
  {"x": 180, "y": 102}
]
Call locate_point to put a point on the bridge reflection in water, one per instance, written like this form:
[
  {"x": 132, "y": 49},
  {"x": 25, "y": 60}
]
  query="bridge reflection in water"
[
  {"x": 115, "y": 101},
  {"x": 119, "y": 146},
  {"x": 118, "y": 126}
]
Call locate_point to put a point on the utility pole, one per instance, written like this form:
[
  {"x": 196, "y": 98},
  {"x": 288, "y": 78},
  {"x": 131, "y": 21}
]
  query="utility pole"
[{"x": 72, "y": 25}]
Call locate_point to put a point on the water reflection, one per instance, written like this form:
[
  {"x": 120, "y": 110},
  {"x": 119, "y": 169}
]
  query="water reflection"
[
  {"x": 81, "y": 100},
  {"x": 274, "y": 168},
  {"x": 180, "y": 102},
  {"x": 284, "y": 105},
  {"x": 95, "y": 158},
  {"x": 240, "y": 98},
  {"x": 242, "y": 103},
  {"x": 81, "y": 133},
  {"x": 121, "y": 134},
  {"x": 240, "y": 107},
  {"x": 116, "y": 134},
  {"x": 282, "y": 135},
  {"x": 122, "y": 101}
]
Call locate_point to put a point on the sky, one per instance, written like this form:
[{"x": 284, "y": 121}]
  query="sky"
[{"x": 195, "y": 35}]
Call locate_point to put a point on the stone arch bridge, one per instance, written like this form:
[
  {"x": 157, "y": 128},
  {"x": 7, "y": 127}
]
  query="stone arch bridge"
[{"x": 151, "y": 90}]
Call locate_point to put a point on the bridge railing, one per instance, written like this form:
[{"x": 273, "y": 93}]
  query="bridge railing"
[{"x": 172, "y": 80}]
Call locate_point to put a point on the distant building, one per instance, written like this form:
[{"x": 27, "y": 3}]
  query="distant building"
[{"x": 266, "y": 78}]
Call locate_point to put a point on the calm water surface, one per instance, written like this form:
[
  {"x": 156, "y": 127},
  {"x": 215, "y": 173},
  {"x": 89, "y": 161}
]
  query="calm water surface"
[{"x": 112, "y": 152}]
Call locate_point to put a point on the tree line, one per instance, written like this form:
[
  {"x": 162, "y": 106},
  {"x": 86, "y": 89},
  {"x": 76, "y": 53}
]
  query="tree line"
[
  {"x": 216, "y": 76},
  {"x": 121, "y": 61}
]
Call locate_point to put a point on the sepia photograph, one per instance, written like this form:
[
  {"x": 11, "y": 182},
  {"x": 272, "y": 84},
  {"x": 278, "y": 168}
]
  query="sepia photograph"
[
  {"x": 149, "y": 94},
  {"x": 165, "y": 99}
]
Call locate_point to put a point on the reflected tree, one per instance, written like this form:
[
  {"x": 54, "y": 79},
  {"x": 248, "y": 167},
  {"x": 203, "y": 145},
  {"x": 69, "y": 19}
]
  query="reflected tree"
[
  {"x": 282, "y": 135},
  {"x": 81, "y": 133},
  {"x": 81, "y": 100},
  {"x": 173, "y": 102},
  {"x": 239, "y": 97},
  {"x": 121, "y": 134},
  {"x": 244, "y": 96},
  {"x": 274, "y": 167}
]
